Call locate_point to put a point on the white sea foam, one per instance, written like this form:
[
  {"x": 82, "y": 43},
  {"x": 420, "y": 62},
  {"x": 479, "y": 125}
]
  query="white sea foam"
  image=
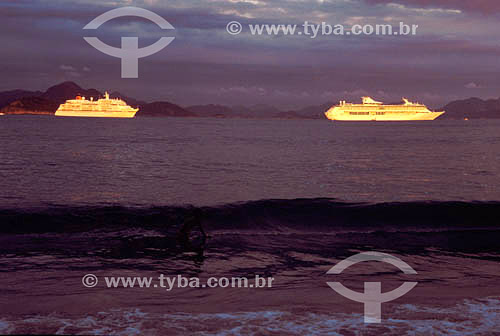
[
  {"x": 4, "y": 327},
  {"x": 478, "y": 317}
]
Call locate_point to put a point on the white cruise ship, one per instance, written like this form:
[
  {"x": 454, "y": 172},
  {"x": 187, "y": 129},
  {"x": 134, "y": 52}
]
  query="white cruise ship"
[
  {"x": 371, "y": 110},
  {"x": 104, "y": 108}
]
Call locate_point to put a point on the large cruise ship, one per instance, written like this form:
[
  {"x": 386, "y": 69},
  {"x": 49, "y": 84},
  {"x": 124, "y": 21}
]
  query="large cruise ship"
[
  {"x": 104, "y": 107},
  {"x": 371, "y": 110}
]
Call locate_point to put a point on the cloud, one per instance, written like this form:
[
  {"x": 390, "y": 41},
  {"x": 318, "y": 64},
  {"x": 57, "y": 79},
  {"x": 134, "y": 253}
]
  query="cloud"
[
  {"x": 70, "y": 71},
  {"x": 206, "y": 65},
  {"x": 65, "y": 67},
  {"x": 486, "y": 7},
  {"x": 472, "y": 85}
]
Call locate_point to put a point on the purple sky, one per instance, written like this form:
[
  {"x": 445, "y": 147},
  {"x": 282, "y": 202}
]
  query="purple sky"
[{"x": 455, "y": 54}]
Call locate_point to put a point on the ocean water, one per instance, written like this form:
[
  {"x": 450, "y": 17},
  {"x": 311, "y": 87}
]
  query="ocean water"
[
  {"x": 286, "y": 199},
  {"x": 45, "y": 160}
]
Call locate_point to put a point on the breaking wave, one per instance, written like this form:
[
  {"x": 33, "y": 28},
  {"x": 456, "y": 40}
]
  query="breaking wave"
[{"x": 276, "y": 215}]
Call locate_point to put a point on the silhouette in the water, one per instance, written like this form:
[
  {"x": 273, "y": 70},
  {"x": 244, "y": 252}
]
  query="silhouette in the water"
[
  {"x": 190, "y": 237},
  {"x": 192, "y": 224}
]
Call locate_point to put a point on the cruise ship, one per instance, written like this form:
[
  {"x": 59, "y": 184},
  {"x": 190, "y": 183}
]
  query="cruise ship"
[
  {"x": 371, "y": 110},
  {"x": 104, "y": 108}
]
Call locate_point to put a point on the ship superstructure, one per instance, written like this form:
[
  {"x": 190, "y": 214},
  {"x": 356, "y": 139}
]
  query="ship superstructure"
[
  {"x": 105, "y": 108},
  {"x": 372, "y": 110}
]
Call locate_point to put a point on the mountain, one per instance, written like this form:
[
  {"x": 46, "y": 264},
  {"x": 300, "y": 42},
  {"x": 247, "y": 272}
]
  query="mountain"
[
  {"x": 220, "y": 111},
  {"x": 289, "y": 115},
  {"x": 472, "y": 108},
  {"x": 31, "y": 105},
  {"x": 69, "y": 90},
  {"x": 130, "y": 101},
  {"x": 8, "y": 97},
  {"x": 37, "y": 102},
  {"x": 211, "y": 111},
  {"x": 259, "y": 111},
  {"x": 29, "y": 102},
  {"x": 164, "y": 109},
  {"x": 314, "y": 112}
]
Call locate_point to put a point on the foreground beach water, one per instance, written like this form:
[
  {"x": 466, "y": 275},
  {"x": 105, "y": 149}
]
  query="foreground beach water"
[{"x": 282, "y": 199}]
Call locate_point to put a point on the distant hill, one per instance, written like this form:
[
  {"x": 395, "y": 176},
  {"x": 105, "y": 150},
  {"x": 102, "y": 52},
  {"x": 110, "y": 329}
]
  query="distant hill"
[
  {"x": 27, "y": 102},
  {"x": 36, "y": 102},
  {"x": 130, "y": 101},
  {"x": 8, "y": 97},
  {"x": 69, "y": 90},
  {"x": 211, "y": 111},
  {"x": 163, "y": 109},
  {"x": 31, "y": 105},
  {"x": 258, "y": 112},
  {"x": 472, "y": 108},
  {"x": 315, "y": 112},
  {"x": 220, "y": 111}
]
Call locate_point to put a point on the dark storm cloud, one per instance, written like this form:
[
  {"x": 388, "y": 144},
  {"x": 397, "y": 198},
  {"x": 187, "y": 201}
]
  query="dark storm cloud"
[{"x": 42, "y": 44}]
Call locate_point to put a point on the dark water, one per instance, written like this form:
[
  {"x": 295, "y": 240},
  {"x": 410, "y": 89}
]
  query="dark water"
[
  {"x": 45, "y": 160},
  {"x": 282, "y": 199}
]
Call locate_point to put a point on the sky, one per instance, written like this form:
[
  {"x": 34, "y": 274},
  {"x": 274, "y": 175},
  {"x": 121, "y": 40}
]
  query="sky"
[{"x": 454, "y": 55}]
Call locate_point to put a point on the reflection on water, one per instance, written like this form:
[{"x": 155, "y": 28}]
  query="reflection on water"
[
  {"x": 79, "y": 196},
  {"x": 211, "y": 161}
]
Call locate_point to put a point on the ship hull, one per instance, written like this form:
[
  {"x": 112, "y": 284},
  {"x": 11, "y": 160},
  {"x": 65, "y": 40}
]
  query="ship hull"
[
  {"x": 96, "y": 114},
  {"x": 424, "y": 116}
]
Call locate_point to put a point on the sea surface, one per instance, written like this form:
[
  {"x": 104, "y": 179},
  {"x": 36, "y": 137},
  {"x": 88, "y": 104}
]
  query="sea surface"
[{"x": 286, "y": 199}]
